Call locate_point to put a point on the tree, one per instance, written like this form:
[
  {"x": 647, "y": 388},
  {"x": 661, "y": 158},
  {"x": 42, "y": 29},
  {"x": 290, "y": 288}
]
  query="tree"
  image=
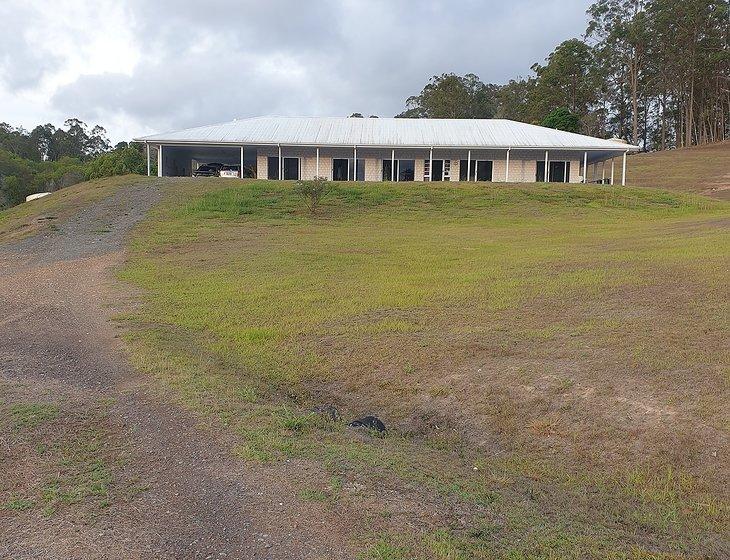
[
  {"x": 453, "y": 97},
  {"x": 512, "y": 99},
  {"x": 562, "y": 119},
  {"x": 567, "y": 80},
  {"x": 356, "y": 116}
]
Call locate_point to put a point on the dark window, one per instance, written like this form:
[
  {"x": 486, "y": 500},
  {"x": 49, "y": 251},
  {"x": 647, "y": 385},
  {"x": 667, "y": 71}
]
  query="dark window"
[
  {"x": 339, "y": 169},
  {"x": 484, "y": 170},
  {"x": 465, "y": 173},
  {"x": 559, "y": 171},
  {"x": 291, "y": 168},
  {"x": 406, "y": 169},
  {"x": 387, "y": 168},
  {"x": 273, "y": 168},
  {"x": 540, "y": 171},
  {"x": 437, "y": 173},
  {"x": 360, "y": 175}
]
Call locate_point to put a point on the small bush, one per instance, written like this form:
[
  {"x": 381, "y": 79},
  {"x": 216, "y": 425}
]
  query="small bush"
[{"x": 312, "y": 192}]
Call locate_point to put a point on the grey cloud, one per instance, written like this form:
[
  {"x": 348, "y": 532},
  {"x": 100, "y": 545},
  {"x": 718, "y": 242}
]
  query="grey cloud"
[
  {"x": 211, "y": 62},
  {"x": 22, "y": 66}
]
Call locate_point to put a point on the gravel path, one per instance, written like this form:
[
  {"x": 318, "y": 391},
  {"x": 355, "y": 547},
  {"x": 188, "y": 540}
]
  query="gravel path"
[{"x": 56, "y": 295}]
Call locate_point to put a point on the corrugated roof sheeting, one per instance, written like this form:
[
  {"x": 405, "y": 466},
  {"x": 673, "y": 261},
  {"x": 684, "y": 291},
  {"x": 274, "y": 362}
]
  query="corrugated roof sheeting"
[{"x": 340, "y": 131}]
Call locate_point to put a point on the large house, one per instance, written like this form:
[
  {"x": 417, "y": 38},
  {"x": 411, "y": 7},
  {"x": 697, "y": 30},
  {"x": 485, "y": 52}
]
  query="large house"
[{"x": 390, "y": 149}]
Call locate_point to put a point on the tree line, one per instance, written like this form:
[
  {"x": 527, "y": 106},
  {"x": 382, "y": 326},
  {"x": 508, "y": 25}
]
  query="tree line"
[
  {"x": 653, "y": 72},
  {"x": 49, "y": 158}
]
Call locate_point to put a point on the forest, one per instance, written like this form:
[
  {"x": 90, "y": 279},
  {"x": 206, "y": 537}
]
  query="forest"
[
  {"x": 49, "y": 158},
  {"x": 653, "y": 72}
]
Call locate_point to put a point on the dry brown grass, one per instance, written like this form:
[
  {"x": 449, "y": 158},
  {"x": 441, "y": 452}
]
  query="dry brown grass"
[{"x": 700, "y": 169}]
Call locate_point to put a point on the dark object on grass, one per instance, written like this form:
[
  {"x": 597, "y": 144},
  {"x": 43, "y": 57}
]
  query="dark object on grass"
[{"x": 369, "y": 422}]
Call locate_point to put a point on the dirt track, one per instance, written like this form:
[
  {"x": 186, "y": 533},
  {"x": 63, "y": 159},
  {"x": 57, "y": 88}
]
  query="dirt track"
[{"x": 58, "y": 343}]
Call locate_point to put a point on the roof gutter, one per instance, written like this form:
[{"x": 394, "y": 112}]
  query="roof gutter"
[{"x": 622, "y": 148}]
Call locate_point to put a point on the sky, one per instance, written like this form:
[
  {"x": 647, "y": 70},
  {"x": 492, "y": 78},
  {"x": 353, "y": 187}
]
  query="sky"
[{"x": 138, "y": 67}]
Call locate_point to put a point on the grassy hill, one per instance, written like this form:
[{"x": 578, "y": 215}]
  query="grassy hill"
[
  {"x": 700, "y": 169},
  {"x": 551, "y": 360}
]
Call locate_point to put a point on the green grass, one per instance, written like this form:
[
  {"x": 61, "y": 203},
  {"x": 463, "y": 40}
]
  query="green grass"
[
  {"x": 524, "y": 334},
  {"x": 30, "y": 415}
]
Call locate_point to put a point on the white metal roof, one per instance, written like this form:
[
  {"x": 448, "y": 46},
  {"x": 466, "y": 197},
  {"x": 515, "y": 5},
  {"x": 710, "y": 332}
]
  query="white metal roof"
[{"x": 386, "y": 132}]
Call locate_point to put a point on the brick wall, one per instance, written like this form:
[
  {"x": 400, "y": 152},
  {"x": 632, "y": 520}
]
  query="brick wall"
[{"x": 522, "y": 166}]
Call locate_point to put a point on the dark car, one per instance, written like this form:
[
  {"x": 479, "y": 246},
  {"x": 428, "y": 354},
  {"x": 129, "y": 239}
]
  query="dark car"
[{"x": 205, "y": 171}]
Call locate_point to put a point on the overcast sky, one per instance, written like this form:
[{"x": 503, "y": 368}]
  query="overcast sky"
[{"x": 144, "y": 66}]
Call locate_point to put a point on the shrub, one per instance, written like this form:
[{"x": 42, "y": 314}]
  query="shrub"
[
  {"x": 312, "y": 192},
  {"x": 117, "y": 162}
]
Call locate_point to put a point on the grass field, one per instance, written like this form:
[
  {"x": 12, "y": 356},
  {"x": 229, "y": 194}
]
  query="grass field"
[
  {"x": 551, "y": 360},
  {"x": 700, "y": 169}
]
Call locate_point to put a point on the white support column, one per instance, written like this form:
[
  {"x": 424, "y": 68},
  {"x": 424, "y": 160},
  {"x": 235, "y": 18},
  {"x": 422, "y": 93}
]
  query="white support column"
[
  {"x": 506, "y": 169},
  {"x": 603, "y": 172},
  {"x": 281, "y": 164},
  {"x": 354, "y": 163},
  {"x": 547, "y": 168},
  {"x": 468, "y": 166},
  {"x": 612, "y": 166},
  {"x": 159, "y": 160},
  {"x": 392, "y": 165},
  {"x": 430, "y": 165},
  {"x": 623, "y": 172},
  {"x": 240, "y": 171},
  {"x": 146, "y": 145},
  {"x": 317, "y": 164},
  {"x": 585, "y": 167}
]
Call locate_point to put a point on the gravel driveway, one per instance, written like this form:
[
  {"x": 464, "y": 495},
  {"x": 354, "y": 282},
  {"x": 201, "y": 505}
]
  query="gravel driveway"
[{"x": 195, "y": 500}]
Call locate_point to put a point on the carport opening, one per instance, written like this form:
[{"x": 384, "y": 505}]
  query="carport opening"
[{"x": 181, "y": 161}]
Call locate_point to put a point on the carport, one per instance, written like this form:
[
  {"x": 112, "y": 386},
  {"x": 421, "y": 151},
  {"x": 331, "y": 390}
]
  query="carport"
[{"x": 181, "y": 160}]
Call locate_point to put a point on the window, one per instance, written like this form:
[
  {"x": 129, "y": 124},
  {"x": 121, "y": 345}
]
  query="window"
[
  {"x": 291, "y": 168},
  {"x": 441, "y": 170},
  {"x": 344, "y": 170},
  {"x": 339, "y": 169},
  {"x": 559, "y": 171},
  {"x": 359, "y": 173},
  {"x": 405, "y": 170},
  {"x": 482, "y": 168},
  {"x": 273, "y": 168}
]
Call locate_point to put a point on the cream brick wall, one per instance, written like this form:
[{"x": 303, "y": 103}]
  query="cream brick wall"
[{"x": 522, "y": 166}]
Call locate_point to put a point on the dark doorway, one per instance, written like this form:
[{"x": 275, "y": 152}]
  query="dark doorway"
[
  {"x": 559, "y": 172},
  {"x": 405, "y": 170},
  {"x": 339, "y": 169},
  {"x": 437, "y": 170},
  {"x": 291, "y": 168},
  {"x": 484, "y": 170},
  {"x": 272, "y": 168},
  {"x": 357, "y": 169}
]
